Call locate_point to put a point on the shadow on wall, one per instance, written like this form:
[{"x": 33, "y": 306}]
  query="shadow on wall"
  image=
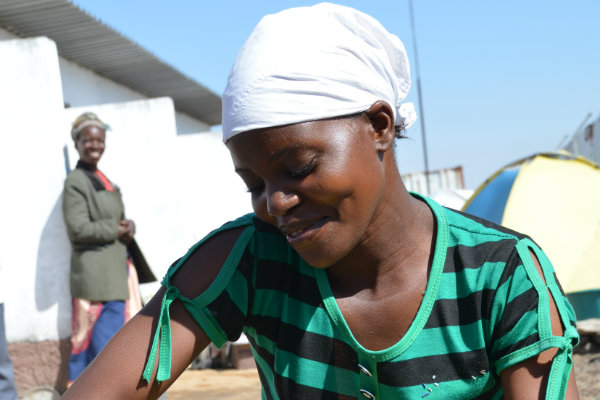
[
  {"x": 52, "y": 281},
  {"x": 53, "y": 264}
]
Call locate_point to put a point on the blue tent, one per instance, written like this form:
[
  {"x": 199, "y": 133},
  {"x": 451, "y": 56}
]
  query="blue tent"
[{"x": 554, "y": 198}]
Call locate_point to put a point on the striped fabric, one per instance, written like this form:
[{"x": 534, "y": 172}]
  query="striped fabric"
[{"x": 484, "y": 310}]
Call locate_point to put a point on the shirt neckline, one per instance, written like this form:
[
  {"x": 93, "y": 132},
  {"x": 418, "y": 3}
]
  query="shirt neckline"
[{"x": 437, "y": 267}]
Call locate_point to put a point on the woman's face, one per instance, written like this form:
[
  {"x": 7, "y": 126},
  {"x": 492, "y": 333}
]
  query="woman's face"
[
  {"x": 90, "y": 144},
  {"x": 318, "y": 182}
]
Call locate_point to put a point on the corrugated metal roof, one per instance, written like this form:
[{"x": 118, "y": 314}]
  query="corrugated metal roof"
[{"x": 88, "y": 42}]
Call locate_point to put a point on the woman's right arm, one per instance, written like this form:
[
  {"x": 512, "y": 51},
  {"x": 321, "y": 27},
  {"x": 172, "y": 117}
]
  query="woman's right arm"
[
  {"x": 116, "y": 373},
  {"x": 80, "y": 227}
]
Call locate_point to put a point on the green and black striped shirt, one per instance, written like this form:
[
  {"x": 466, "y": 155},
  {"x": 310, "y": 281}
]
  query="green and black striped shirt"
[{"x": 485, "y": 309}]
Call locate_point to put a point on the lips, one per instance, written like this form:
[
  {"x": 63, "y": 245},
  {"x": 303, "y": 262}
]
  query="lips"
[
  {"x": 294, "y": 234},
  {"x": 301, "y": 230}
]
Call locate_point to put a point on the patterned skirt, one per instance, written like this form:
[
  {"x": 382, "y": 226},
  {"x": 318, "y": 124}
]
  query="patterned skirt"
[{"x": 95, "y": 322}]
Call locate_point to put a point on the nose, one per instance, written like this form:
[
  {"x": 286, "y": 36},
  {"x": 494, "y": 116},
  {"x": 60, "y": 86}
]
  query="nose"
[
  {"x": 280, "y": 202},
  {"x": 95, "y": 144}
]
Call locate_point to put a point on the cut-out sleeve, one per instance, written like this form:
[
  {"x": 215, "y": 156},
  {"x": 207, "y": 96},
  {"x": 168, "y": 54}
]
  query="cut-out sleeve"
[
  {"x": 521, "y": 317},
  {"x": 220, "y": 310}
]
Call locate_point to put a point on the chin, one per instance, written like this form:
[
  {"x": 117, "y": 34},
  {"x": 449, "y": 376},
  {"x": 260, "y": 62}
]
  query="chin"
[
  {"x": 318, "y": 259},
  {"x": 326, "y": 251}
]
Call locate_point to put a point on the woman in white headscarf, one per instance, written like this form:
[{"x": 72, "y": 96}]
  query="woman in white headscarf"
[{"x": 346, "y": 285}]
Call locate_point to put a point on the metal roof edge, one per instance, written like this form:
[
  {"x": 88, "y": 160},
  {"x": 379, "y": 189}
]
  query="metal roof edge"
[{"x": 94, "y": 45}]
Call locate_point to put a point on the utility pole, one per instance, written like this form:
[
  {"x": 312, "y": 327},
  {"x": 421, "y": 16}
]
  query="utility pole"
[{"x": 422, "y": 116}]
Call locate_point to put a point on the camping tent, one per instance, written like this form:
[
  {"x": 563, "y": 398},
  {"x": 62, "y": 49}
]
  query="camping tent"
[{"x": 555, "y": 199}]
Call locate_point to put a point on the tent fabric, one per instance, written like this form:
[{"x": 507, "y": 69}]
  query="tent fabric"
[
  {"x": 490, "y": 202},
  {"x": 589, "y": 263},
  {"x": 555, "y": 199}
]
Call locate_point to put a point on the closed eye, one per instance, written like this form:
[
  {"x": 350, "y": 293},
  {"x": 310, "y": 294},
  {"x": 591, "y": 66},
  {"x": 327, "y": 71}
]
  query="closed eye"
[
  {"x": 305, "y": 170},
  {"x": 255, "y": 189}
]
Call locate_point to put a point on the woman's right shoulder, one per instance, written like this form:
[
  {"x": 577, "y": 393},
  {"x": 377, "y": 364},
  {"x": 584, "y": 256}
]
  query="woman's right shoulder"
[
  {"x": 196, "y": 270},
  {"x": 75, "y": 177}
]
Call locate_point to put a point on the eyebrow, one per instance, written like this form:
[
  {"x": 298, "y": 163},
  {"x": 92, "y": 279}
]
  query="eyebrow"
[
  {"x": 274, "y": 157},
  {"x": 279, "y": 154}
]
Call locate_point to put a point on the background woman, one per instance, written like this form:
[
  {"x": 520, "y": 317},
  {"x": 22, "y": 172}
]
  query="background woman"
[
  {"x": 346, "y": 285},
  {"x": 104, "y": 285}
]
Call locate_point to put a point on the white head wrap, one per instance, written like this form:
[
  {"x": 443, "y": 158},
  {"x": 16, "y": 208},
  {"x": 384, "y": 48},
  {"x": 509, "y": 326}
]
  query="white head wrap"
[{"x": 310, "y": 63}]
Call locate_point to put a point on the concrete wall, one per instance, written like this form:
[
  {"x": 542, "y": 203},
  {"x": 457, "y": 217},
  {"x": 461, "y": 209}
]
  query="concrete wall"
[
  {"x": 31, "y": 108},
  {"x": 82, "y": 87},
  {"x": 32, "y": 241},
  {"x": 187, "y": 124},
  {"x": 176, "y": 187}
]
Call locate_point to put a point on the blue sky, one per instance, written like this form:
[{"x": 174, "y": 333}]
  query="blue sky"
[{"x": 500, "y": 80}]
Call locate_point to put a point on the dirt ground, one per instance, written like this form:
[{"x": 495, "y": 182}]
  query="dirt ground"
[
  {"x": 232, "y": 384},
  {"x": 587, "y": 372},
  {"x": 212, "y": 384}
]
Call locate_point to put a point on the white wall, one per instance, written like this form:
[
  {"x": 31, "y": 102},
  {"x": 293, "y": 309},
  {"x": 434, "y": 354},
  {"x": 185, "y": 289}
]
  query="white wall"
[
  {"x": 32, "y": 241},
  {"x": 187, "y": 124},
  {"x": 439, "y": 180},
  {"x": 82, "y": 87},
  {"x": 210, "y": 190},
  {"x": 176, "y": 187}
]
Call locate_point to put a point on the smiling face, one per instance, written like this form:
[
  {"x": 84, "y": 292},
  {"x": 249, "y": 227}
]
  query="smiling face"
[
  {"x": 320, "y": 183},
  {"x": 90, "y": 144}
]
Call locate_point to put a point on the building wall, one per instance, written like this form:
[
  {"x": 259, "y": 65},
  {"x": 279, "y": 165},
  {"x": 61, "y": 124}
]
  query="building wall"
[
  {"x": 187, "y": 124},
  {"x": 439, "y": 180},
  {"x": 176, "y": 187},
  {"x": 82, "y": 87},
  {"x": 31, "y": 146},
  {"x": 32, "y": 243}
]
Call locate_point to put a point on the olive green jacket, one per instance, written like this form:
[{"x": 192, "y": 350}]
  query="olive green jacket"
[{"x": 98, "y": 258}]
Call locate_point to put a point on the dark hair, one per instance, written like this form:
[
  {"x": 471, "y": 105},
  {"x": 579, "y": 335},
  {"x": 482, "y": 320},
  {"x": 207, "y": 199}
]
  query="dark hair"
[{"x": 400, "y": 129}]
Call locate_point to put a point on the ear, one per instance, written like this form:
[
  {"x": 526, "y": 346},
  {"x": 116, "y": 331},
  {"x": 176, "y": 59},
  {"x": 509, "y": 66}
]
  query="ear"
[{"x": 381, "y": 117}]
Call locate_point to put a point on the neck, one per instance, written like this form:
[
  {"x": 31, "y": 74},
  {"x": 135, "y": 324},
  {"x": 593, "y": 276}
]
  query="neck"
[
  {"x": 85, "y": 165},
  {"x": 398, "y": 242}
]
